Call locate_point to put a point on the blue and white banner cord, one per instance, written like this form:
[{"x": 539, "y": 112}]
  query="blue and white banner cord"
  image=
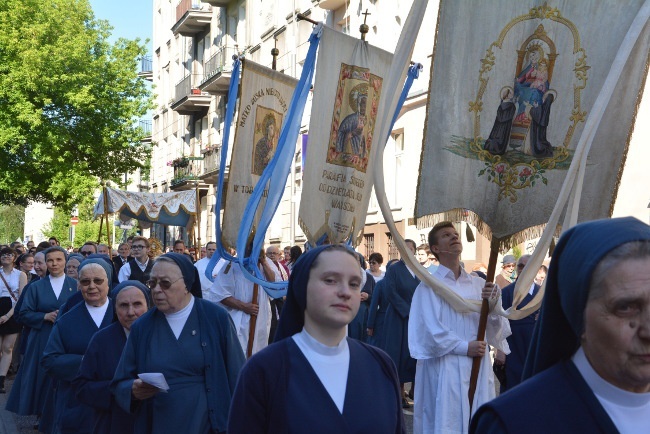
[{"x": 276, "y": 172}]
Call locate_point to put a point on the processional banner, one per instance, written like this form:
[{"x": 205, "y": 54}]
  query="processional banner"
[
  {"x": 512, "y": 85},
  {"x": 176, "y": 209},
  {"x": 343, "y": 140},
  {"x": 264, "y": 100}
]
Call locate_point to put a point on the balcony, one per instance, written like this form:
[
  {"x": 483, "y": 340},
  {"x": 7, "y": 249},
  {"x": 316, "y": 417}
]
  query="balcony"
[
  {"x": 192, "y": 17},
  {"x": 211, "y": 162},
  {"x": 218, "y": 71},
  {"x": 186, "y": 170},
  {"x": 145, "y": 126},
  {"x": 190, "y": 100},
  {"x": 218, "y": 3},
  {"x": 331, "y": 5},
  {"x": 146, "y": 68}
]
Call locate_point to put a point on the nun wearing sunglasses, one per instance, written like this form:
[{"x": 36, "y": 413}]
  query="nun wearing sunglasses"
[{"x": 192, "y": 343}]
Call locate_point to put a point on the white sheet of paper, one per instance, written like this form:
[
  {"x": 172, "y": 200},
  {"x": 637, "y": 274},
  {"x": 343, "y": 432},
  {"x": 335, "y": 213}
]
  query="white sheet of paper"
[{"x": 155, "y": 379}]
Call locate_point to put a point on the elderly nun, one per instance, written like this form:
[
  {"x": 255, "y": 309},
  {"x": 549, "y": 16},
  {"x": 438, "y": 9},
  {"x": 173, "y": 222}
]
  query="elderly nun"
[
  {"x": 192, "y": 343},
  {"x": 589, "y": 361},
  {"x": 132, "y": 299},
  {"x": 313, "y": 377},
  {"x": 69, "y": 341}
]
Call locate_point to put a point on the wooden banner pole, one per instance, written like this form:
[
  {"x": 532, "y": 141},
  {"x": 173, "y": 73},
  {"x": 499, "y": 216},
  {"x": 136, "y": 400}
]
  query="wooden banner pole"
[{"x": 476, "y": 363}]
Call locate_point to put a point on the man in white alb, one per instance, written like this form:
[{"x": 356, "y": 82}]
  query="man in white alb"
[
  {"x": 201, "y": 266},
  {"x": 444, "y": 343}
]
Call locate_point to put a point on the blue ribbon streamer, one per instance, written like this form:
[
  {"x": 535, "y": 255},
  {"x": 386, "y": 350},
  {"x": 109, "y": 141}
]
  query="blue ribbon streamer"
[
  {"x": 230, "y": 114},
  {"x": 275, "y": 175},
  {"x": 279, "y": 164}
]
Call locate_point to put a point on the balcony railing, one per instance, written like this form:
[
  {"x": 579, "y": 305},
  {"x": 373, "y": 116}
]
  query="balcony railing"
[
  {"x": 183, "y": 87},
  {"x": 211, "y": 160},
  {"x": 186, "y": 5},
  {"x": 145, "y": 125},
  {"x": 219, "y": 62},
  {"x": 146, "y": 64},
  {"x": 191, "y": 171}
]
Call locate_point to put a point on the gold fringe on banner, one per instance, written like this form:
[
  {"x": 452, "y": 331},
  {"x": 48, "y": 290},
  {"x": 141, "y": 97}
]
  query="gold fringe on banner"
[{"x": 468, "y": 216}]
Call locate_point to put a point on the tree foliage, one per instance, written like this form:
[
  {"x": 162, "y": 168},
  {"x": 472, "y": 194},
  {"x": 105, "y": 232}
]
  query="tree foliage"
[
  {"x": 69, "y": 102},
  {"x": 12, "y": 223}
]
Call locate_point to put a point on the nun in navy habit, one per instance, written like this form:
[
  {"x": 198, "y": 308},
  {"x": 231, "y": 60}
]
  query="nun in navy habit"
[
  {"x": 39, "y": 310},
  {"x": 587, "y": 367},
  {"x": 314, "y": 378},
  {"x": 399, "y": 287},
  {"x": 131, "y": 299},
  {"x": 68, "y": 343},
  {"x": 193, "y": 343}
]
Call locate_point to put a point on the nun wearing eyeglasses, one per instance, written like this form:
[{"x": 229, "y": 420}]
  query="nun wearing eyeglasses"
[
  {"x": 132, "y": 299},
  {"x": 314, "y": 378},
  {"x": 192, "y": 343},
  {"x": 68, "y": 342}
]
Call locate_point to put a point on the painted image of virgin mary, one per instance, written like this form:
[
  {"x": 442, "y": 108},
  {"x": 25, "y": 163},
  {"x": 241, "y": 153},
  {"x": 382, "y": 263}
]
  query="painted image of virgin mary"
[
  {"x": 531, "y": 83},
  {"x": 265, "y": 147}
]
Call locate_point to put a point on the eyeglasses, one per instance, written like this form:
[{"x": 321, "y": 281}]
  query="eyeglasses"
[
  {"x": 164, "y": 284},
  {"x": 85, "y": 252},
  {"x": 138, "y": 246},
  {"x": 7, "y": 255},
  {"x": 373, "y": 262},
  {"x": 86, "y": 282}
]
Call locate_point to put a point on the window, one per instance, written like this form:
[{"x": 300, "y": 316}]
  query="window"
[
  {"x": 393, "y": 252},
  {"x": 369, "y": 240}
]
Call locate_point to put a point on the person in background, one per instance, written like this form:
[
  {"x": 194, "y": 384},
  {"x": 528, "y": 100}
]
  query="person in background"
[
  {"x": 39, "y": 311},
  {"x": 123, "y": 256},
  {"x": 53, "y": 241},
  {"x": 25, "y": 263},
  {"x": 202, "y": 264},
  {"x": 588, "y": 368},
  {"x": 140, "y": 266},
  {"x": 103, "y": 249},
  {"x": 541, "y": 275},
  {"x": 72, "y": 265},
  {"x": 88, "y": 248},
  {"x": 273, "y": 253},
  {"x": 399, "y": 285},
  {"x": 357, "y": 329},
  {"x": 506, "y": 276},
  {"x": 12, "y": 282},
  {"x": 374, "y": 261},
  {"x": 522, "y": 332},
  {"x": 314, "y": 378},
  {"x": 294, "y": 254}
]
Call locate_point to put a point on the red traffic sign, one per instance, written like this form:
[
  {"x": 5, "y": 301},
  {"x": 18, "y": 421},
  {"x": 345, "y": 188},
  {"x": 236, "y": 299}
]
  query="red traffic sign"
[{"x": 74, "y": 221}]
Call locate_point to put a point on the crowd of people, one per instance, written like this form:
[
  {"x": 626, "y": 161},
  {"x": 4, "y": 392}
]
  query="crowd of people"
[{"x": 141, "y": 341}]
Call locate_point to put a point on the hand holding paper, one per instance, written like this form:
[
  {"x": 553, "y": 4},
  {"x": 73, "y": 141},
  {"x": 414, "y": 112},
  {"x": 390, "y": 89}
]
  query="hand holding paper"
[{"x": 155, "y": 379}]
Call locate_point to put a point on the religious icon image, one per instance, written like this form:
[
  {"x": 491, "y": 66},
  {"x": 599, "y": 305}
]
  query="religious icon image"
[
  {"x": 519, "y": 151},
  {"x": 267, "y": 126},
  {"x": 532, "y": 99},
  {"x": 356, "y": 103}
]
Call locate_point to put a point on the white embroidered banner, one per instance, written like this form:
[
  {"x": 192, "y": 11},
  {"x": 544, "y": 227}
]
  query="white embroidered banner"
[
  {"x": 177, "y": 208},
  {"x": 343, "y": 137},
  {"x": 512, "y": 85},
  {"x": 264, "y": 101}
]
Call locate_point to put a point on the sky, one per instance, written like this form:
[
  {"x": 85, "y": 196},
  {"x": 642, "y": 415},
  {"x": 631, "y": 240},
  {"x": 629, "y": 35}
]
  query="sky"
[{"x": 130, "y": 18}]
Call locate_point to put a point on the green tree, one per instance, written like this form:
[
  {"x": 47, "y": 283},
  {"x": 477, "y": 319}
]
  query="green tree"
[
  {"x": 85, "y": 230},
  {"x": 69, "y": 101},
  {"x": 12, "y": 223}
]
